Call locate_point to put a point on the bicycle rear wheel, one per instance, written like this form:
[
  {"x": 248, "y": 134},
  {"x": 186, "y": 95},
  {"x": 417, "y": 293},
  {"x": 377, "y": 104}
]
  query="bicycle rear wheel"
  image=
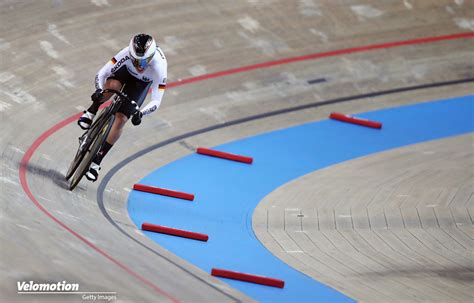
[{"x": 88, "y": 154}]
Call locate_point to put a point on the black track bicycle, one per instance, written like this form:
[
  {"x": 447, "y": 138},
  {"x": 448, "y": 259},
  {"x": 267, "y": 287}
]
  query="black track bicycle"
[{"x": 91, "y": 141}]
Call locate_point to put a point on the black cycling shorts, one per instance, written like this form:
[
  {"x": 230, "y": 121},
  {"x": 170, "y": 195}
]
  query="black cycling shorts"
[{"x": 134, "y": 88}]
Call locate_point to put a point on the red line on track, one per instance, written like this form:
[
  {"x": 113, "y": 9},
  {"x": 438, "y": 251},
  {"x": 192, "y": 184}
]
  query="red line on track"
[
  {"x": 36, "y": 144},
  {"x": 24, "y": 183},
  {"x": 334, "y": 53}
]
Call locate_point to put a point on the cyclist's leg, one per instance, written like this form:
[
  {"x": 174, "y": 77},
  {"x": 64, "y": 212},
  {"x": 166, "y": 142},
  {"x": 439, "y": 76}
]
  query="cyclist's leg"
[
  {"x": 114, "y": 135},
  {"x": 117, "y": 127},
  {"x": 136, "y": 90},
  {"x": 114, "y": 81},
  {"x": 111, "y": 83},
  {"x": 93, "y": 173},
  {"x": 85, "y": 121}
]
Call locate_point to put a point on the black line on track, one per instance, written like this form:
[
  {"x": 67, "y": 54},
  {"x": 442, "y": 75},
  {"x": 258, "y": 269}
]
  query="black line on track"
[
  {"x": 106, "y": 179},
  {"x": 319, "y": 80}
]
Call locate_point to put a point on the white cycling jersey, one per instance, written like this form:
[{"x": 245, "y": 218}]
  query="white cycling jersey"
[{"x": 156, "y": 73}]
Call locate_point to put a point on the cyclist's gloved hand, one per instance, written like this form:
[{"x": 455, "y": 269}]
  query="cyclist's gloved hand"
[
  {"x": 137, "y": 118},
  {"x": 97, "y": 95}
]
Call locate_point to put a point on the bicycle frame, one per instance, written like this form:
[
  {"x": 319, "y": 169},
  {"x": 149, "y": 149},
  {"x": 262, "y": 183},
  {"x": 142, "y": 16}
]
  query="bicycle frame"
[{"x": 86, "y": 141}]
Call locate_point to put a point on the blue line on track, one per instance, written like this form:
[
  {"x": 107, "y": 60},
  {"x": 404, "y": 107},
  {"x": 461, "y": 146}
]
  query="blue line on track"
[{"x": 227, "y": 192}]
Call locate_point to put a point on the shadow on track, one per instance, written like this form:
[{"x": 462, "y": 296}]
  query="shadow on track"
[
  {"x": 463, "y": 274},
  {"x": 57, "y": 177}
]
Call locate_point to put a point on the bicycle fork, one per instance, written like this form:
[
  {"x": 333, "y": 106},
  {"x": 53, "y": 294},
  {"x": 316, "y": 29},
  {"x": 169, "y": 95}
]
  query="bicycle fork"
[{"x": 83, "y": 140}]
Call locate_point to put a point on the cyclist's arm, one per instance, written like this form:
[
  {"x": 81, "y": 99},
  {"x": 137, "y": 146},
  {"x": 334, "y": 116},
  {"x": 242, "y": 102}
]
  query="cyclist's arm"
[
  {"x": 157, "y": 91},
  {"x": 106, "y": 70}
]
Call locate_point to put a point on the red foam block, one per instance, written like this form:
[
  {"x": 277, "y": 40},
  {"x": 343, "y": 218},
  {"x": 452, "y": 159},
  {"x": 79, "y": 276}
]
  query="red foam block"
[
  {"x": 247, "y": 277},
  {"x": 163, "y": 191},
  {"x": 174, "y": 232},
  {"x": 359, "y": 121},
  {"x": 224, "y": 155}
]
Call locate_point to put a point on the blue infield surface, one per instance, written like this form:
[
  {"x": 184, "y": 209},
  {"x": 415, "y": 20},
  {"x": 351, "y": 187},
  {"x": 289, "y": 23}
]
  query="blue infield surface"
[{"x": 227, "y": 192}]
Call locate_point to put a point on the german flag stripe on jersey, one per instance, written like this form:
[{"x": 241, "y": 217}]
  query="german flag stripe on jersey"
[
  {"x": 113, "y": 60},
  {"x": 161, "y": 86}
]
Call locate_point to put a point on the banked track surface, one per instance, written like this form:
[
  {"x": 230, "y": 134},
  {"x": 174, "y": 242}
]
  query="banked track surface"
[
  {"x": 262, "y": 214},
  {"x": 233, "y": 211},
  {"x": 33, "y": 233}
]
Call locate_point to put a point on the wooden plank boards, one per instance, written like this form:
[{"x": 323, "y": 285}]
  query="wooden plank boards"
[{"x": 405, "y": 238}]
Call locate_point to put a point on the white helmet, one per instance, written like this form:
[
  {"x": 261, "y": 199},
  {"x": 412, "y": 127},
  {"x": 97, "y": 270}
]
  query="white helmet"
[{"x": 142, "y": 48}]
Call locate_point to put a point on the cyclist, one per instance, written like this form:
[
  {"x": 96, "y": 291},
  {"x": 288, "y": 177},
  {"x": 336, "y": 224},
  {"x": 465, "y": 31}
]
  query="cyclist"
[{"x": 133, "y": 70}]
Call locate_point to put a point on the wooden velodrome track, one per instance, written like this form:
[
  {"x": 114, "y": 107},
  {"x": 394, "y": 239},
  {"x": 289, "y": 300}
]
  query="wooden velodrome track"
[{"x": 51, "y": 50}]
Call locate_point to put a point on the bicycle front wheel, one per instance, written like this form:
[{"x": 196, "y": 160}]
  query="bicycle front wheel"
[
  {"x": 84, "y": 144},
  {"x": 91, "y": 151}
]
